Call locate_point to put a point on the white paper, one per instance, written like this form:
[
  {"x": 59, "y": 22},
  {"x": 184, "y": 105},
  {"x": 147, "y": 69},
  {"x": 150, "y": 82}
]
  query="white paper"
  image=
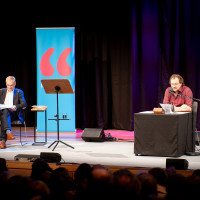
[
  {"x": 150, "y": 112},
  {"x": 3, "y": 106},
  {"x": 36, "y": 106},
  {"x": 167, "y": 108}
]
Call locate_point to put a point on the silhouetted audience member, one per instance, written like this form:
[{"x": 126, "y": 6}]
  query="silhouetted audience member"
[
  {"x": 4, "y": 176},
  {"x": 3, "y": 166},
  {"x": 176, "y": 187},
  {"x": 149, "y": 186},
  {"x": 161, "y": 178},
  {"x": 41, "y": 170},
  {"x": 193, "y": 186},
  {"x": 81, "y": 179},
  {"x": 124, "y": 185},
  {"x": 18, "y": 187},
  {"x": 196, "y": 172},
  {"x": 40, "y": 190},
  {"x": 98, "y": 183},
  {"x": 171, "y": 171},
  {"x": 62, "y": 185}
]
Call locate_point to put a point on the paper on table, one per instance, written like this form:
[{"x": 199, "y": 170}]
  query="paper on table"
[
  {"x": 167, "y": 108},
  {"x": 150, "y": 112}
]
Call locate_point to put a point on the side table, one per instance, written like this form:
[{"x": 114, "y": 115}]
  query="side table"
[{"x": 40, "y": 109}]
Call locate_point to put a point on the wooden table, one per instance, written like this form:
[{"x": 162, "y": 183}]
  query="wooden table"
[{"x": 40, "y": 109}]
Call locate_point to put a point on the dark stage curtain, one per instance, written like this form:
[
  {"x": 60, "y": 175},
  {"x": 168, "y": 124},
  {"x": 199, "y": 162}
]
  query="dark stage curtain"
[
  {"x": 125, "y": 53},
  {"x": 103, "y": 70},
  {"x": 165, "y": 41},
  {"x": 123, "y": 71}
]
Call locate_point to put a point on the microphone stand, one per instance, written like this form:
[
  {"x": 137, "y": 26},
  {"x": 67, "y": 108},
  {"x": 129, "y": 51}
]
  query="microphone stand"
[
  {"x": 189, "y": 97},
  {"x": 191, "y": 153}
]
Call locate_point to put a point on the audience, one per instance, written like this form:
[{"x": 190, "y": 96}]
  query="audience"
[
  {"x": 149, "y": 186},
  {"x": 124, "y": 185},
  {"x": 97, "y": 182},
  {"x": 176, "y": 187},
  {"x": 41, "y": 170},
  {"x": 161, "y": 177},
  {"x": 61, "y": 184},
  {"x": 81, "y": 180}
]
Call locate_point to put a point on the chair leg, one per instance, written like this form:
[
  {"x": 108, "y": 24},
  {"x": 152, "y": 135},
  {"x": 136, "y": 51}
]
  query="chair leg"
[{"x": 21, "y": 134}]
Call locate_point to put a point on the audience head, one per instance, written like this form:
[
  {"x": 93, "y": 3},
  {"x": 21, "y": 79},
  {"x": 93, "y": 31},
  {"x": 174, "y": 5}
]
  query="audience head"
[
  {"x": 176, "y": 187},
  {"x": 41, "y": 170},
  {"x": 62, "y": 184},
  {"x": 160, "y": 175},
  {"x": 125, "y": 185},
  {"x": 98, "y": 182},
  {"x": 149, "y": 185},
  {"x": 3, "y": 166},
  {"x": 82, "y": 173}
]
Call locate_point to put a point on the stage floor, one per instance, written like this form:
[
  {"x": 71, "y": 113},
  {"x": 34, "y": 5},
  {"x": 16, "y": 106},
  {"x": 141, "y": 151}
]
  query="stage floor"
[{"x": 113, "y": 153}]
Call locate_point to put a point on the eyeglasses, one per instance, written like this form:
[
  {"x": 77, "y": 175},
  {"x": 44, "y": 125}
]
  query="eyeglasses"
[{"x": 175, "y": 84}]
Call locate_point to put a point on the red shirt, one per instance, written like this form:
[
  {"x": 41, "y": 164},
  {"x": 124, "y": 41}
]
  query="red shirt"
[{"x": 179, "y": 100}]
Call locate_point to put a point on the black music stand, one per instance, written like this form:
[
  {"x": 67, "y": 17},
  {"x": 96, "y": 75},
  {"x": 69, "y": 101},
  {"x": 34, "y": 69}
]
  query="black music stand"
[{"x": 52, "y": 86}]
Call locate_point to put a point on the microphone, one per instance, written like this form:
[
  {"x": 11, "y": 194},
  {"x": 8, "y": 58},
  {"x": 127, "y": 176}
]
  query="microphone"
[{"x": 171, "y": 91}]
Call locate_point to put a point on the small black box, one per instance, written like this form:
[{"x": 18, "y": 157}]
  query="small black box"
[
  {"x": 50, "y": 157},
  {"x": 179, "y": 164}
]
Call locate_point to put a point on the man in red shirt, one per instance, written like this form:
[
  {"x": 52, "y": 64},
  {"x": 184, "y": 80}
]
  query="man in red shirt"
[{"x": 173, "y": 94}]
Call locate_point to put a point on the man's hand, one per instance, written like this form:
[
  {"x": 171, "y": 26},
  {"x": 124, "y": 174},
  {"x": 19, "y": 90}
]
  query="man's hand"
[
  {"x": 13, "y": 108},
  {"x": 183, "y": 108}
]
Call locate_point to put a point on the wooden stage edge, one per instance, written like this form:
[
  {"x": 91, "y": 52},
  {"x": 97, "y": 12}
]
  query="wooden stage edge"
[{"x": 25, "y": 168}]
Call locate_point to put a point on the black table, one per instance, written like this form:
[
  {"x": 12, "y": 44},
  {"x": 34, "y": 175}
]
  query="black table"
[{"x": 167, "y": 135}]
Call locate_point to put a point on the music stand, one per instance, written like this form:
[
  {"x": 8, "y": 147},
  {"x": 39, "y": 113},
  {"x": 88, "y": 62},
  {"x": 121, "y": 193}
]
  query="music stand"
[{"x": 52, "y": 86}]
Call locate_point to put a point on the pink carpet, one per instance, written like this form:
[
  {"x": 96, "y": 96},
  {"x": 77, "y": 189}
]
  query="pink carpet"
[{"x": 119, "y": 134}]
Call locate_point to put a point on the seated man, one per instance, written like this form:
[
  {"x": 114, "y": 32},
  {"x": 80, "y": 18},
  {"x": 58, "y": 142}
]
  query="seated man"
[
  {"x": 173, "y": 94},
  {"x": 14, "y": 100}
]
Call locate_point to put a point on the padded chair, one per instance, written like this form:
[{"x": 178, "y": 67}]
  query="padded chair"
[
  {"x": 20, "y": 125},
  {"x": 194, "y": 121}
]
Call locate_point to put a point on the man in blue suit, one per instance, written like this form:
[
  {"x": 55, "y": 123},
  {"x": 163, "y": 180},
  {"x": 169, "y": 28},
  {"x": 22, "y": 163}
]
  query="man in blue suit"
[{"x": 13, "y": 101}]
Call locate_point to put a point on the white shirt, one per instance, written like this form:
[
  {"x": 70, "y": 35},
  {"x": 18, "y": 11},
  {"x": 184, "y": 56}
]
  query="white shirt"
[{"x": 9, "y": 99}]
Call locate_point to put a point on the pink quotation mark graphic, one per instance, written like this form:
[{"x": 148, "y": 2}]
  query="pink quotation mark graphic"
[
  {"x": 45, "y": 66},
  {"x": 62, "y": 66}
]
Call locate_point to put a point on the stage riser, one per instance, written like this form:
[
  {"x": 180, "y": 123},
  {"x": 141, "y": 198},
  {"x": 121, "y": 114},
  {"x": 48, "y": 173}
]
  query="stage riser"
[{"x": 24, "y": 168}]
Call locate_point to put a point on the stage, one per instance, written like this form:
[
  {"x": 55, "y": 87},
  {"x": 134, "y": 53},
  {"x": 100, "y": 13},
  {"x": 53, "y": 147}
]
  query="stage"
[{"x": 119, "y": 152}]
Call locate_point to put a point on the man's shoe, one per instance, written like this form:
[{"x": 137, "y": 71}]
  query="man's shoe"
[
  {"x": 10, "y": 136},
  {"x": 3, "y": 145}
]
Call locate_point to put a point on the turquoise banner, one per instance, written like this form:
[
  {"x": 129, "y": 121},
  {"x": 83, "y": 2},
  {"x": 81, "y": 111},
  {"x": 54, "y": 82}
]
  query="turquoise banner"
[{"x": 55, "y": 50}]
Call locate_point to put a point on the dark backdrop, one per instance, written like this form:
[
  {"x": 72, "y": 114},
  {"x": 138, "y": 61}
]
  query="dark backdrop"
[{"x": 125, "y": 53}]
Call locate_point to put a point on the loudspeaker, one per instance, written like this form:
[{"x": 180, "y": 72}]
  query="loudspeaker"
[
  {"x": 50, "y": 157},
  {"x": 180, "y": 164},
  {"x": 93, "y": 135}
]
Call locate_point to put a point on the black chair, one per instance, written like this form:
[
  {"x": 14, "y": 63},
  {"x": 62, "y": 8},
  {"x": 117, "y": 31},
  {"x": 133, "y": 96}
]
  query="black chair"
[
  {"x": 194, "y": 121},
  {"x": 20, "y": 124}
]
